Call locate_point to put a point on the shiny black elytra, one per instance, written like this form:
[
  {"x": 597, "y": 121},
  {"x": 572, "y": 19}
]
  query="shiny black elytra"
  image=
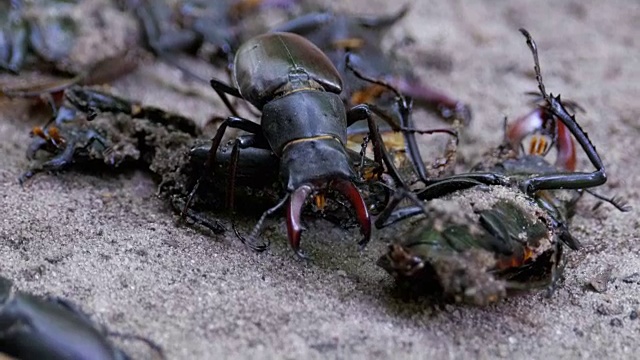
[
  {"x": 35, "y": 327},
  {"x": 304, "y": 123}
]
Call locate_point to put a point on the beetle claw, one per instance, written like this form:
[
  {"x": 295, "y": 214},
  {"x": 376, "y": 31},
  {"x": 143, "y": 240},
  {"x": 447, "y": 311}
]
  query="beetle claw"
[
  {"x": 348, "y": 190},
  {"x": 294, "y": 209}
]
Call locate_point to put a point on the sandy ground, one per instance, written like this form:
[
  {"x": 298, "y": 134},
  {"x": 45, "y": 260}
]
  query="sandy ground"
[{"x": 109, "y": 244}]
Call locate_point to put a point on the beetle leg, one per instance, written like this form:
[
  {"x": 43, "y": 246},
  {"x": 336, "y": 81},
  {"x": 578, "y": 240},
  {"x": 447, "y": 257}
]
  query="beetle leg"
[
  {"x": 574, "y": 180},
  {"x": 251, "y": 242},
  {"x": 63, "y": 159},
  {"x": 241, "y": 142},
  {"x": 212, "y": 224},
  {"x": 233, "y": 122},
  {"x": 55, "y": 164},
  {"x": 438, "y": 189},
  {"x": 222, "y": 89},
  {"x": 36, "y": 145},
  {"x": 381, "y": 156},
  {"x": 617, "y": 202},
  {"x": 408, "y": 131},
  {"x": 557, "y": 269},
  {"x": 390, "y": 215}
]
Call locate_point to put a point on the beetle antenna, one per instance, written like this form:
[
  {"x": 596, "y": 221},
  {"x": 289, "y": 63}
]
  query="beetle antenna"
[{"x": 364, "y": 77}]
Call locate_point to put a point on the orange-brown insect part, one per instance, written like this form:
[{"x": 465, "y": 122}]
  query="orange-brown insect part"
[
  {"x": 348, "y": 44},
  {"x": 38, "y": 131},
  {"x": 515, "y": 261},
  {"x": 367, "y": 95},
  {"x": 55, "y": 137},
  {"x": 320, "y": 201}
]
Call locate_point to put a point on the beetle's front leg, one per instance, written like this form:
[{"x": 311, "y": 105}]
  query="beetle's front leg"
[
  {"x": 57, "y": 163},
  {"x": 242, "y": 142}
]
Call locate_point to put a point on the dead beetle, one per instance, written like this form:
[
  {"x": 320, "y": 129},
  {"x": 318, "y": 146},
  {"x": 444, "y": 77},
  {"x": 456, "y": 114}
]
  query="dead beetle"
[
  {"x": 519, "y": 218},
  {"x": 73, "y": 139},
  {"x": 476, "y": 245}
]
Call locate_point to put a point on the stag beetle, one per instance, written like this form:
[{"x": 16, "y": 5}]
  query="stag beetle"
[
  {"x": 304, "y": 123},
  {"x": 33, "y": 327},
  {"x": 123, "y": 134},
  {"x": 521, "y": 215}
]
